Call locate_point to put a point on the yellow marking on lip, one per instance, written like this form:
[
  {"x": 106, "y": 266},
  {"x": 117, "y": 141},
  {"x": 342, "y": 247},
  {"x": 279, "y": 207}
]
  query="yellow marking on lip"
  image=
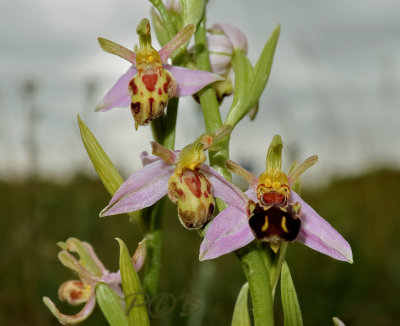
[
  {"x": 283, "y": 224},
  {"x": 266, "y": 224}
]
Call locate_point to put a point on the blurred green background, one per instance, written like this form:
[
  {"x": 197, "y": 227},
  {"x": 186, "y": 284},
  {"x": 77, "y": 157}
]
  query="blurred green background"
[{"x": 37, "y": 214}]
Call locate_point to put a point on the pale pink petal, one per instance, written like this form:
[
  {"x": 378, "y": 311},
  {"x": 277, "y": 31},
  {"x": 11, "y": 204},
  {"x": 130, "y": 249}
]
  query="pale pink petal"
[
  {"x": 219, "y": 43},
  {"x": 319, "y": 235},
  {"x": 118, "y": 95},
  {"x": 237, "y": 38},
  {"x": 176, "y": 42},
  {"x": 228, "y": 231},
  {"x": 225, "y": 190},
  {"x": 251, "y": 193},
  {"x": 75, "y": 319},
  {"x": 141, "y": 189},
  {"x": 191, "y": 81}
]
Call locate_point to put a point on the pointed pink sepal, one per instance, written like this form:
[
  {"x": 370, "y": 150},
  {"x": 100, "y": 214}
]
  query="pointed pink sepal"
[
  {"x": 142, "y": 189},
  {"x": 118, "y": 95},
  {"x": 228, "y": 231},
  {"x": 225, "y": 190},
  {"x": 319, "y": 235},
  {"x": 191, "y": 81}
]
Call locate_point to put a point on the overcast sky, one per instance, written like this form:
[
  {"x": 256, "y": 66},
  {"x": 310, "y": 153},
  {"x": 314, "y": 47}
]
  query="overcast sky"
[{"x": 333, "y": 90}]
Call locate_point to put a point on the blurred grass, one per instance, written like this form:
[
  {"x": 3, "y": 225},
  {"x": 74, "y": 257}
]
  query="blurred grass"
[{"x": 364, "y": 209}]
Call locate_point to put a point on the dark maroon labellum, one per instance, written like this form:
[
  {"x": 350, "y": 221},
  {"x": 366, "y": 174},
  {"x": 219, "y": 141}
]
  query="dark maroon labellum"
[{"x": 275, "y": 222}]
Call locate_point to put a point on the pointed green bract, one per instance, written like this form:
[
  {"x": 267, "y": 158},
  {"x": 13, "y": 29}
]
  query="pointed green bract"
[
  {"x": 243, "y": 71},
  {"x": 165, "y": 16},
  {"x": 291, "y": 308},
  {"x": 106, "y": 170},
  {"x": 101, "y": 162},
  {"x": 241, "y": 313},
  {"x": 337, "y": 322},
  {"x": 159, "y": 27},
  {"x": 256, "y": 83},
  {"x": 192, "y": 11},
  {"x": 135, "y": 300},
  {"x": 110, "y": 305}
]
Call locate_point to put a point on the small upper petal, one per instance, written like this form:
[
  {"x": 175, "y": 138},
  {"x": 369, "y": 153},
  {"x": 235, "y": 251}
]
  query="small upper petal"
[
  {"x": 147, "y": 158},
  {"x": 319, "y": 235},
  {"x": 228, "y": 231},
  {"x": 191, "y": 81},
  {"x": 118, "y": 95},
  {"x": 141, "y": 189},
  {"x": 177, "y": 41},
  {"x": 225, "y": 190}
]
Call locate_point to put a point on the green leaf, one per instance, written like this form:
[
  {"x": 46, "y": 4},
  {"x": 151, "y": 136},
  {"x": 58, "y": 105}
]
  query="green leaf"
[
  {"x": 241, "y": 313},
  {"x": 106, "y": 170},
  {"x": 110, "y": 305},
  {"x": 135, "y": 299},
  {"x": 103, "y": 165},
  {"x": 256, "y": 83},
  {"x": 291, "y": 308}
]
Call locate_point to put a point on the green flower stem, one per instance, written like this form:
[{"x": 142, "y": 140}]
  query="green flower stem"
[
  {"x": 164, "y": 133},
  {"x": 166, "y": 17},
  {"x": 250, "y": 256},
  {"x": 209, "y": 103},
  {"x": 276, "y": 267},
  {"x": 257, "y": 275},
  {"x": 163, "y": 128}
]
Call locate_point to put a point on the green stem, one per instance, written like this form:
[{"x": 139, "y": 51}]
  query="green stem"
[
  {"x": 209, "y": 103},
  {"x": 257, "y": 275},
  {"x": 163, "y": 128},
  {"x": 250, "y": 256},
  {"x": 164, "y": 133},
  {"x": 277, "y": 266},
  {"x": 154, "y": 248},
  {"x": 165, "y": 16}
]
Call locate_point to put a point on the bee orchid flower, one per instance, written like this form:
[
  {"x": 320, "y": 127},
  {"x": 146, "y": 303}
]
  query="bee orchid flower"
[
  {"x": 150, "y": 82},
  {"x": 183, "y": 176},
  {"x": 272, "y": 212},
  {"x": 91, "y": 271}
]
